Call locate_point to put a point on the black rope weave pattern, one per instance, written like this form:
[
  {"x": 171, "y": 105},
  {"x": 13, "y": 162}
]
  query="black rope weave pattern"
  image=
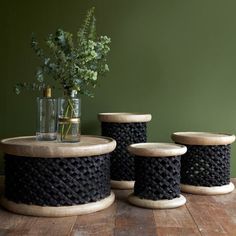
[
  {"x": 206, "y": 165},
  {"x": 122, "y": 162},
  {"x": 157, "y": 178},
  {"x": 57, "y": 181}
]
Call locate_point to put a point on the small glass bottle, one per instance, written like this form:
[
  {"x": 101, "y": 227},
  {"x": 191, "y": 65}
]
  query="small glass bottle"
[
  {"x": 69, "y": 111},
  {"x": 46, "y": 117}
]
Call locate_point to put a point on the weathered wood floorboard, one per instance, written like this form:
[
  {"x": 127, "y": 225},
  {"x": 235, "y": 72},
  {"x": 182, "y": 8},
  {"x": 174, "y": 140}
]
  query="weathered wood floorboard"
[
  {"x": 132, "y": 220},
  {"x": 214, "y": 215},
  {"x": 175, "y": 222},
  {"x": 98, "y": 223}
]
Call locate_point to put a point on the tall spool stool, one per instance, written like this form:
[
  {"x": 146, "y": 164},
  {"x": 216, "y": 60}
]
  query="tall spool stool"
[
  {"x": 157, "y": 175},
  {"x": 205, "y": 168},
  {"x": 125, "y": 128},
  {"x": 57, "y": 179}
]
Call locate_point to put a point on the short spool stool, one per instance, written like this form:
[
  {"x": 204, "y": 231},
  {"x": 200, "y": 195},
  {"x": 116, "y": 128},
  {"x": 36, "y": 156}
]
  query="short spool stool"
[
  {"x": 157, "y": 175},
  {"x": 57, "y": 179},
  {"x": 205, "y": 168},
  {"x": 125, "y": 128}
]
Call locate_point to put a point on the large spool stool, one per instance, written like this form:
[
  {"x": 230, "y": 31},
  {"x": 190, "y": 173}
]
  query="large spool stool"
[
  {"x": 57, "y": 179},
  {"x": 157, "y": 175},
  {"x": 205, "y": 168},
  {"x": 125, "y": 128}
]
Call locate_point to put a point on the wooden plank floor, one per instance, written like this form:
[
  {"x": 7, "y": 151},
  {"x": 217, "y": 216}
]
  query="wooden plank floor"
[{"x": 202, "y": 215}]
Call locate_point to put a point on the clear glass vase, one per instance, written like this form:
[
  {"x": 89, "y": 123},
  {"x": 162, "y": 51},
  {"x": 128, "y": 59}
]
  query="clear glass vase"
[
  {"x": 69, "y": 111},
  {"x": 46, "y": 117}
]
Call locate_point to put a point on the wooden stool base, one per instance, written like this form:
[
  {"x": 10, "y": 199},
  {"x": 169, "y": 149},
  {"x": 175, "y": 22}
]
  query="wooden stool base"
[
  {"x": 159, "y": 204},
  {"x": 61, "y": 211},
  {"x": 202, "y": 190},
  {"x": 122, "y": 184}
]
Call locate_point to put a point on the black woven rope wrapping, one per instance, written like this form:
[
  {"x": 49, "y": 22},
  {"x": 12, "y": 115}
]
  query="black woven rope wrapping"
[
  {"x": 157, "y": 178},
  {"x": 206, "y": 165},
  {"x": 122, "y": 162},
  {"x": 57, "y": 181}
]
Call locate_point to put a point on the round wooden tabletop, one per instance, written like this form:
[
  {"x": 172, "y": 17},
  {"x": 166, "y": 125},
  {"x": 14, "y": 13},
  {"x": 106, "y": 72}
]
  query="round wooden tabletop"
[
  {"x": 123, "y": 117},
  {"x": 28, "y": 146},
  {"x": 203, "y": 138},
  {"x": 157, "y": 149}
]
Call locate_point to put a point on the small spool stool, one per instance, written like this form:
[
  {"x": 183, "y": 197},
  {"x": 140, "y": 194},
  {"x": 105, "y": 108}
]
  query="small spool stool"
[
  {"x": 125, "y": 128},
  {"x": 157, "y": 175},
  {"x": 205, "y": 168},
  {"x": 57, "y": 179}
]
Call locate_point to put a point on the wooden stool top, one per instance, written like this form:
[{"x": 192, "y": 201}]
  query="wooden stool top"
[
  {"x": 123, "y": 117},
  {"x": 28, "y": 146},
  {"x": 157, "y": 149},
  {"x": 203, "y": 138}
]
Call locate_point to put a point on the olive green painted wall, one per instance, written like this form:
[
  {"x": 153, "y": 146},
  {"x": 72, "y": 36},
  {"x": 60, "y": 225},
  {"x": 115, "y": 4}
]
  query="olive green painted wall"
[{"x": 173, "y": 58}]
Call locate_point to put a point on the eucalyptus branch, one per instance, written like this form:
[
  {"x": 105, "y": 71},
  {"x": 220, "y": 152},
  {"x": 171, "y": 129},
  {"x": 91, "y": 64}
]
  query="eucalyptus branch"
[{"x": 75, "y": 64}]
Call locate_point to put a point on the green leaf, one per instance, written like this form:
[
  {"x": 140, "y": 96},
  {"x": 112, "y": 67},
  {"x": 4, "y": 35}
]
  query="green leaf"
[{"x": 74, "y": 63}]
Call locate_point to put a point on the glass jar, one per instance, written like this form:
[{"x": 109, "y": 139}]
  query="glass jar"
[
  {"x": 69, "y": 111},
  {"x": 46, "y": 117}
]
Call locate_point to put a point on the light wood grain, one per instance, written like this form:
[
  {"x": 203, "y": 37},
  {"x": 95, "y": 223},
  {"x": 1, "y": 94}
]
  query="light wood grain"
[
  {"x": 157, "y": 204},
  {"x": 202, "y": 138},
  {"x": 123, "y": 117},
  {"x": 157, "y": 149},
  {"x": 28, "y": 146},
  {"x": 61, "y": 211},
  {"x": 216, "y": 190},
  {"x": 115, "y": 184}
]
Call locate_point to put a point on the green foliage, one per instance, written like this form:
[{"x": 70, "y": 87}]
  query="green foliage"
[{"x": 76, "y": 64}]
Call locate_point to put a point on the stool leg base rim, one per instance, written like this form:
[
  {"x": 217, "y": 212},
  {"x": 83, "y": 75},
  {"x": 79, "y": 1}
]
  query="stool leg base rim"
[
  {"x": 202, "y": 190},
  {"x": 157, "y": 204},
  {"x": 122, "y": 184},
  {"x": 61, "y": 211}
]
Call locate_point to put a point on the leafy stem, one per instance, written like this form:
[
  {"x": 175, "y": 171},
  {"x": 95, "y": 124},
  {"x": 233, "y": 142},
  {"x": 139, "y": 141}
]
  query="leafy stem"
[
  {"x": 69, "y": 114},
  {"x": 75, "y": 63}
]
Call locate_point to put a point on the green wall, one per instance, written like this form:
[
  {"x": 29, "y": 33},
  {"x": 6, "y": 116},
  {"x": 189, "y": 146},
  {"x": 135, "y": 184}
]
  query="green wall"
[{"x": 174, "y": 59}]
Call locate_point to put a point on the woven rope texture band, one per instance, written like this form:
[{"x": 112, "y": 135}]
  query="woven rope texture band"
[
  {"x": 206, "y": 165},
  {"x": 122, "y": 162},
  {"x": 157, "y": 178},
  {"x": 57, "y": 181}
]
